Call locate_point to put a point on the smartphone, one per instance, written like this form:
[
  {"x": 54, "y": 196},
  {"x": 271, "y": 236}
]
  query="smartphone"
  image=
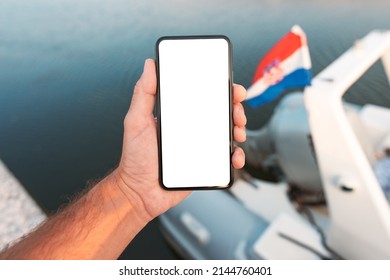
[{"x": 194, "y": 112}]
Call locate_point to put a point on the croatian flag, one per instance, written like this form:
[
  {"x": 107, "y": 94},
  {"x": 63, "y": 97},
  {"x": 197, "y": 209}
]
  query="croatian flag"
[{"x": 287, "y": 65}]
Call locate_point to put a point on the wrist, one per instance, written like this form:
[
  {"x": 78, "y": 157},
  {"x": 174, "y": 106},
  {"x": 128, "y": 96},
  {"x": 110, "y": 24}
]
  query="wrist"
[{"x": 126, "y": 195}]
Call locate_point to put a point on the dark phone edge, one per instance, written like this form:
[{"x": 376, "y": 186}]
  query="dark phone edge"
[{"x": 158, "y": 112}]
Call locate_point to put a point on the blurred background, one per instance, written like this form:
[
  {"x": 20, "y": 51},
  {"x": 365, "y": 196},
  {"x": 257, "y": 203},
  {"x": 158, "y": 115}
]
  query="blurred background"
[{"x": 67, "y": 70}]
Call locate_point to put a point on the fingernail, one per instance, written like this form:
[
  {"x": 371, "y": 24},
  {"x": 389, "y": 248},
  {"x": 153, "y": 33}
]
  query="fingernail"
[{"x": 146, "y": 61}]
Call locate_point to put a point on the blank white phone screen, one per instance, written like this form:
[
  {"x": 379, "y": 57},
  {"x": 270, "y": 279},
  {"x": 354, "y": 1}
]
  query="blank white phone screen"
[{"x": 195, "y": 113}]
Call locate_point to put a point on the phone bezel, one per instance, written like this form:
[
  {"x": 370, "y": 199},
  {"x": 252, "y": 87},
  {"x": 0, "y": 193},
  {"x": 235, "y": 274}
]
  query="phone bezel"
[{"x": 230, "y": 65}]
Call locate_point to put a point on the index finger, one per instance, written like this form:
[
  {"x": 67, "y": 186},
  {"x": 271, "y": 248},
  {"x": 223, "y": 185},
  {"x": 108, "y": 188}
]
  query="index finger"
[{"x": 239, "y": 93}]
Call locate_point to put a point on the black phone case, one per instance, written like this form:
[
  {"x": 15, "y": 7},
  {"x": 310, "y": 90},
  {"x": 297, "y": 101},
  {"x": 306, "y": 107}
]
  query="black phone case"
[{"x": 160, "y": 167}]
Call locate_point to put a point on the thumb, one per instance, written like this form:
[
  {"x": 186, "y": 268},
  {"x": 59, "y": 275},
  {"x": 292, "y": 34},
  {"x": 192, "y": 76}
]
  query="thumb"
[{"x": 142, "y": 102}]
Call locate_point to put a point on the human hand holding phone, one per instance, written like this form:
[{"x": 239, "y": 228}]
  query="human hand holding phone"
[{"x": 137, "y": 173}]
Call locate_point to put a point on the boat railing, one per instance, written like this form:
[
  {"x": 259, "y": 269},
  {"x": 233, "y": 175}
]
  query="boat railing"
[{"x": 360, "y": 213}]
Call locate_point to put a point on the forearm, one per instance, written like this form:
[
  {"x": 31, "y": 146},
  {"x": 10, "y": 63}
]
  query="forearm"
[{"x": 99, "y": 225}]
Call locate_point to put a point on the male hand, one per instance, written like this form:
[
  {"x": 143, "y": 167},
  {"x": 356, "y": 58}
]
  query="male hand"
[{"x": 137, "y": 173}]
